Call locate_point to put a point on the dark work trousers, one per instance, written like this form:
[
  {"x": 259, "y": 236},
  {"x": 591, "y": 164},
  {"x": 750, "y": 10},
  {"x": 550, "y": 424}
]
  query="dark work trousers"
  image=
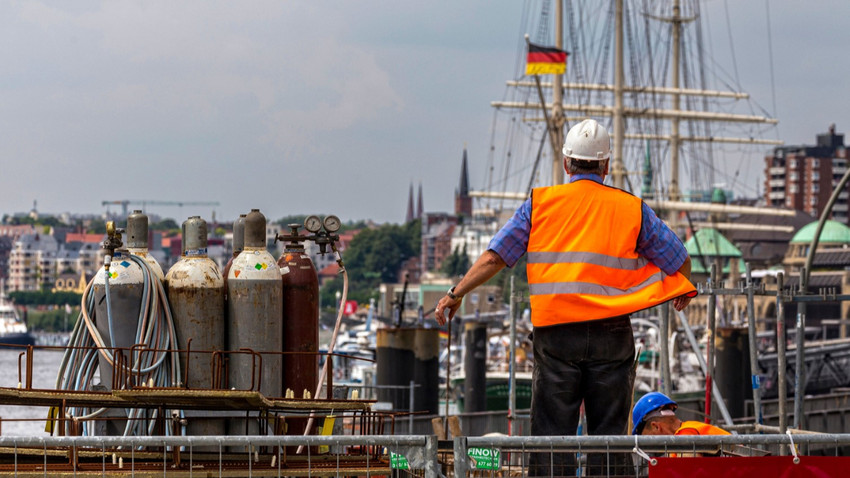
[{"x": 583, "y": 361}]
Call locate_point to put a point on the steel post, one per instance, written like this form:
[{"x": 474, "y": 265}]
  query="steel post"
[
  {"x": 461, "y": 457},
  {"x": 800, "y": 355},
  {"x": 709, "y": 349},
  {"x": 780, "y": 354},
  {"x": 664, "y": 337},
  {"x": 754, "y": 371},
  {"x": 512, "y": 359},
  {"x": 693, "y": 340}
]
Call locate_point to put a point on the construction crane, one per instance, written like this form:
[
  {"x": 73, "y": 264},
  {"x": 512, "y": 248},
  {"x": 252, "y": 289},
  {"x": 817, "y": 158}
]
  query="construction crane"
[{"x": 148, "y": 202}]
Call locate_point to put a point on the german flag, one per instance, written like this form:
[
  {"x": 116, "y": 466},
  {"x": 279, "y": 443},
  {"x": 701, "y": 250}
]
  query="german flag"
[{"x": 545, "y": 60}]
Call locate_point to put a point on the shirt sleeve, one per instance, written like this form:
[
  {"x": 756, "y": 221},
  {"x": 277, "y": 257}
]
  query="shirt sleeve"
[
  {"x": 511, "y": 242},
  {"x": 659, "y": 243}
]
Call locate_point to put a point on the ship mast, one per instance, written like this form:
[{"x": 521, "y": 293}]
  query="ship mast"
[
  {"x": 619, "y": 112},
  {"x": 557, "y": 121},
  {"x": 673, "y": 192},
  {"x": 618, "y": 170}
]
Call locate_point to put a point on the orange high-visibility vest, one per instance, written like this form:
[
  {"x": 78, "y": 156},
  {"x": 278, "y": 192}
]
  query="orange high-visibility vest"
[
  {"x": 701, "y": 428},
  {"x": 582, "y": 263}
]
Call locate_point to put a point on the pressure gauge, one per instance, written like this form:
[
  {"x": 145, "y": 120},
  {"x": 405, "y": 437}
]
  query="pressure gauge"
[
  {"x": 313, "y": 223},
  {"x": 332, "y": 223}
]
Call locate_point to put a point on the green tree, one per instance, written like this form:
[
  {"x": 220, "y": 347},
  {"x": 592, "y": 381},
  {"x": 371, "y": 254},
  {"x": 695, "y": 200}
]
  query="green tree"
[
  {"x": 51, "y": 221},
  {"x": 165, "y": 225},
  {"x": 20, "y": 220},
  {"x": 285, "y": 221},
  {"x": 375, "y": 256},
  {"x": 44, "y": 297},
  {"x": 457, "y": 263},
  {"x": 503, "y": 278},
  {"x": 96, "y": 226}
]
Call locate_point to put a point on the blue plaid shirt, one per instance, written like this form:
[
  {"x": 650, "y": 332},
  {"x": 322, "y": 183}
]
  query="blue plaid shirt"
[{"x": 656, "y": 242}]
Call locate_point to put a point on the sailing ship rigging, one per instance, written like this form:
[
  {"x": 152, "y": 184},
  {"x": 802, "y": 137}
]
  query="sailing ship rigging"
[{"x": 621, "y": 55}]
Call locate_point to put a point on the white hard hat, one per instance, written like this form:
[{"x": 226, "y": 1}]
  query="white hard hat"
[{"x": 588, "y": 141}]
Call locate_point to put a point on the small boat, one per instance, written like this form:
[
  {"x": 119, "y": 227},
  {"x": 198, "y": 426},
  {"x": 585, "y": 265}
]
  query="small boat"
[{"x": 13, "y": 331}]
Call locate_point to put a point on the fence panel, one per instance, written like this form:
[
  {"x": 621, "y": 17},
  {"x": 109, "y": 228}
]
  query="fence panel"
[
  {"x": 620, "y": 455},
  {"x": 246, "y": 456}
]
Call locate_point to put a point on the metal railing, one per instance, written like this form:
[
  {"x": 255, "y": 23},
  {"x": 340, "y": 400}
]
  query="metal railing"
[
  {"x": 619, "y": 455},
  {"x": 219, "y": 456},
  {"x": 384, "y": 455}
]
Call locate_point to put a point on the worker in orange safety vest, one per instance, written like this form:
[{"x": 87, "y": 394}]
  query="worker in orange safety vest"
[
  {"x": 655, "y": 414},
  {"x": 595, "y": 255}
]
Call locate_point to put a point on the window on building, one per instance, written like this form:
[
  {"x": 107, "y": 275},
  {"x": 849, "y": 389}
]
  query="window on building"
[
  {"x": 815, "y": 188},
  {"x": 788, "y": 202},
  {"x": 815, "y": 163},
  {"x": 793, "y": 189},
  {"x": 792, "y": 164},
  {"x": 813, "y": 200},
  {"x": 815, "y": 176},
  {"x": 793, "y": 176}
]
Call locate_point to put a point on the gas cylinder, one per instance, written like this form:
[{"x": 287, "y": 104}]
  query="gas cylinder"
[
  {"x": 117, "y": 319},
  {"x": 254, "y": 310},
  {"x": 238, "y": 244},
  {"x": 137, "y": 241},
  {"x": 300, "y": 286},
  {"x": 196, "y": 294}
]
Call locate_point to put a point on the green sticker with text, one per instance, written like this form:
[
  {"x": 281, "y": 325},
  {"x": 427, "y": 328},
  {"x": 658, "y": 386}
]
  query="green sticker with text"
[
  {"x": 398, "y": 462},
  {"x": 484, "y": 458}
]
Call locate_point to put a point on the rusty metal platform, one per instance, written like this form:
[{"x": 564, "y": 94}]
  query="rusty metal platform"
[{"x": 172, "y": 399}]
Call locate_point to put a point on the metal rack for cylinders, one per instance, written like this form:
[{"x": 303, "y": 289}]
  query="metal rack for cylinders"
[{"x": 198, "y": 361}]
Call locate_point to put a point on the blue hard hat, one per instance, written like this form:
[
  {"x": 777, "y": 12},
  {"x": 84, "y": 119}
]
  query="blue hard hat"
[{"x": 650, "y": 402}]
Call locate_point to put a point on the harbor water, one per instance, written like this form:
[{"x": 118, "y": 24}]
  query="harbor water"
[{"x": 27, "y": 421}]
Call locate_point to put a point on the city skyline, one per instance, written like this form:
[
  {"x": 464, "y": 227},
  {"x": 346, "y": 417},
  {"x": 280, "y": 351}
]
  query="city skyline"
[{"x": 330, "y": 108}]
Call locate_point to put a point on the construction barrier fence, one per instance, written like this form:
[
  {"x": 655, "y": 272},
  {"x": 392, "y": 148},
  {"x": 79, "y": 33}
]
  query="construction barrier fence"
[
  {"x": 650, "y": 455},
  {"x": 425, "y": 456}
]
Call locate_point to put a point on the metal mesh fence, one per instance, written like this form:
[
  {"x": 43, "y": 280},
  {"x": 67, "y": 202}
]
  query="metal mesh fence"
[
  {"x": 254, "y": 456},
  {"x": 618, "y": 455},
  {"x": 385, "y": 455}
]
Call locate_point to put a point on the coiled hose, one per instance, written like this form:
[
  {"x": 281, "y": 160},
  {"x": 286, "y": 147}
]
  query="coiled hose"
[{"x": 156, "y": 364}]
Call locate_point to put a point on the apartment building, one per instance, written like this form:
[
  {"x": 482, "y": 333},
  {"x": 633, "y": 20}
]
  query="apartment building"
[
  {"x": 803, "y": 177},
  {"x": 32, "y": 262},
  {"x": 9, "y": 234}
]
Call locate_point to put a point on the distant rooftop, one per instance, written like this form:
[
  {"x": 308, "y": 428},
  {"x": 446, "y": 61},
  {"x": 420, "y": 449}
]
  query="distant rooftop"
[
  {"x": 708, "y": 242},
  {"x": 833, "y": 233}
]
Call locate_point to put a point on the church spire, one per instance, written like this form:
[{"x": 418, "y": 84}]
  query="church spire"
[
  {"x": 410, "y": 216},
  {"x": 463, "y": 203},
  {"x": 419, "y": 207}
]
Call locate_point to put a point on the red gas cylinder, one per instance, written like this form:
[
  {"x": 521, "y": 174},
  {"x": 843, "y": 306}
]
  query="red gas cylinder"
[{"x": 300, "y": 316}]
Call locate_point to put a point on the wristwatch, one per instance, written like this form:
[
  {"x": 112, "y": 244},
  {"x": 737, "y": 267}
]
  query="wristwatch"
[{"x": 452, "y": 296}]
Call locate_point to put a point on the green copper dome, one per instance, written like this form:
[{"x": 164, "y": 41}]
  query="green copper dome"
[
  {"x": 711, "y": 244},
  {"x": 833, "y": 233},
  {"x": 718, "y": 196}
]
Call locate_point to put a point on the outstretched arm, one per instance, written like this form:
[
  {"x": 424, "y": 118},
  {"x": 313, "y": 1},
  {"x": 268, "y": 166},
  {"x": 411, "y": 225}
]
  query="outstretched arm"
[
  {"x": 682, "y": 301},
  {"x": 487, "y": 266}
]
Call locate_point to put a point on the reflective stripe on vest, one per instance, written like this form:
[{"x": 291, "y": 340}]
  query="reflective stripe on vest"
[
  {"x": 582, "y": 263},
  {"x": 701, "y": 428}
]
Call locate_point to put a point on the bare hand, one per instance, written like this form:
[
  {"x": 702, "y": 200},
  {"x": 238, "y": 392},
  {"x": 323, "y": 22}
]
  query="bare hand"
[
  {"x": 681, "y": 302},
  {"x": 446, "y": 305}
]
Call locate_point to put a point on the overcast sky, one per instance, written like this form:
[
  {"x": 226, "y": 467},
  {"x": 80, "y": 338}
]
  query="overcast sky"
[{"x": 314, "y": 106}]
